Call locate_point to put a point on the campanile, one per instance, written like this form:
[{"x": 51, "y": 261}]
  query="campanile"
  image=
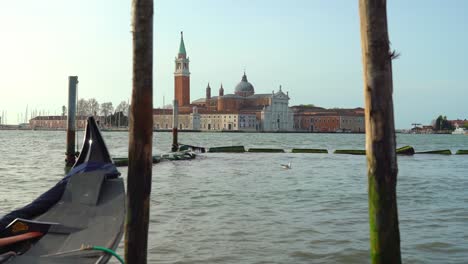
[{"x": 182, "y": 75}]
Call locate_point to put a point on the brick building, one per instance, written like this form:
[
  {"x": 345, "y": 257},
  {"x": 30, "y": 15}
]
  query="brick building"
[
  {"x": 270, "y": 110},
  {"x": 58, "y": 122},
  {"x": 318, "y": 119}
]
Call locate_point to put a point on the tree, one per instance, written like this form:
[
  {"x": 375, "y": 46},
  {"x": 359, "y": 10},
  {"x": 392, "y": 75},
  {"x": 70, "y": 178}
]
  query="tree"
[
  {"x": 107, "y": 109},
  {"x": 122, "y": 107},
  {"x": 64, "y": 110},
  {"x": 82, "y": 107},
  {"x": 93, "y": 106},
  {"x": 118, "y": 119},
  {"x": 441, "y": 123}
]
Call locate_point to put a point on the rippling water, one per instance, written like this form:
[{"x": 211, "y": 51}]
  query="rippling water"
[{"x": 243, "y": 208}]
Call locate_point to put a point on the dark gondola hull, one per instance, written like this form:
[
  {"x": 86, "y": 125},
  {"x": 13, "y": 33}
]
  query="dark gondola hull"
[{"x": 91, "y": 210}]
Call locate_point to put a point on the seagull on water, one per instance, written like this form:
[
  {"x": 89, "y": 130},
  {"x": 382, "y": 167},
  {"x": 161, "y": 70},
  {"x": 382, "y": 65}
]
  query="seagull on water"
[{"x": 286, "y": 166}]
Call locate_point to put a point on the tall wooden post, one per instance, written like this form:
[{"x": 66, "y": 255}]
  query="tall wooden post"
[
  {"x": 175, "y": 122},
  {"x": 140, "y": 135},
  {"x": 71, "y": 121},
  {"x": 382, "y": 166}
]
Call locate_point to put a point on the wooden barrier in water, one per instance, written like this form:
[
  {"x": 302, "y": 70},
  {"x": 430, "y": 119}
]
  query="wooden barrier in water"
[
  {"x": 304, "y": 150},
  {"x": 350, "y": 151},
  {"x": 441, "y": 152},
  {"x": 406, "y": 150},
  {"x": 462, "y": 152},
  {"x": 266, "y": 150},
  {"x": 122, "y": 162},
  {"x": 230, "y": 149}
]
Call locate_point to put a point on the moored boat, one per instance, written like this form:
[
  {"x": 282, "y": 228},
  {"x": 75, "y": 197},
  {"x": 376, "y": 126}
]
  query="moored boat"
[
  {"x": 90, "y": 211},
  {"x": 460, "y": 131}
]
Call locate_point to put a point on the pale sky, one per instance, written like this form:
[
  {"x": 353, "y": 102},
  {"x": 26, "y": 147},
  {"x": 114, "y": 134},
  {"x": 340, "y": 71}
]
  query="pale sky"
[{"x": 310, "y": 47}]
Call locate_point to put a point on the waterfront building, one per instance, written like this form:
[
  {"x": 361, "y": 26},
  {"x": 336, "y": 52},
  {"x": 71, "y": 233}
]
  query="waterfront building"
[
  {"x": 458, "y": 122},
  {"x": 206, "y": 120},
  {"x": 318, "y": 119},
  {"x": 56, "y": 122},
  {"x": 163, "y": 120},
  {"x": 351, "y": 122},
  {"x": 242, "y": 110}
]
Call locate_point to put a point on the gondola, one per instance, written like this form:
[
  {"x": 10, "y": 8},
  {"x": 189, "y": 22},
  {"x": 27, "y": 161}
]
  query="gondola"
[{"x": 88, "y": 215}]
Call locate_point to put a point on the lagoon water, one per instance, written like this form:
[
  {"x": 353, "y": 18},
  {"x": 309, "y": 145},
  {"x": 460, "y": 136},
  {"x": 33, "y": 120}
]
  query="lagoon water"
[{"x": 243, "y": 208}]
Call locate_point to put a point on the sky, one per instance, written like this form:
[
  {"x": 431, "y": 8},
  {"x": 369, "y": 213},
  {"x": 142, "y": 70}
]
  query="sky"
[{"x": 310, "y": 47}]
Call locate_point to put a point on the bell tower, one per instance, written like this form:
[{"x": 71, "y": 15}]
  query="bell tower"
[{"x": 182, "y": 75}]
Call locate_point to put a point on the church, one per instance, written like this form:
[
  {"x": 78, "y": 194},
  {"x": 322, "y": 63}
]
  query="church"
[{"x": 243, "y": 110}]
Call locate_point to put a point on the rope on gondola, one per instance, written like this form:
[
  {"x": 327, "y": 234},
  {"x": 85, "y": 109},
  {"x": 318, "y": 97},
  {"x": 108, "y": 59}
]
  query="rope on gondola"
[
  {"x": 108, "y": 251},
  {"x": 85, "y": 248}
]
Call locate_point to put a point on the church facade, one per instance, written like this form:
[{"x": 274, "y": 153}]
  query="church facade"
[{"x": 243, "y": 110}]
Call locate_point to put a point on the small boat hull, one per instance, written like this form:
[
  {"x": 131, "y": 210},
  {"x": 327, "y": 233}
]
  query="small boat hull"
[{"x": 91, "y": 211}]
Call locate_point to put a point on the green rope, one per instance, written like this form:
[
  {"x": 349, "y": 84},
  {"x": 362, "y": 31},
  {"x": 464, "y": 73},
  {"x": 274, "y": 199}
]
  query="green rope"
[{"x": 109, "y": 251}]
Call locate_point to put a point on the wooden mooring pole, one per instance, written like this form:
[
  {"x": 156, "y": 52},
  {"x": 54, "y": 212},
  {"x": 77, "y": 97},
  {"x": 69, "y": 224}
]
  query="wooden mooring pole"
[
  {"x": 71, "y": 121},
  {"x": 382, "y": 166},
  {"x": 140, "y": 135},
  {"x": 175, "y": 121}
]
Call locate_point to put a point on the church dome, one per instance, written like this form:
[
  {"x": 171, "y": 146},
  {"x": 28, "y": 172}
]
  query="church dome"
[{"x": 244, "y": 88}]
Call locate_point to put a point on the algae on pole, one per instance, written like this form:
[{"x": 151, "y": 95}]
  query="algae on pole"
[{"x": 382, "y": 168}]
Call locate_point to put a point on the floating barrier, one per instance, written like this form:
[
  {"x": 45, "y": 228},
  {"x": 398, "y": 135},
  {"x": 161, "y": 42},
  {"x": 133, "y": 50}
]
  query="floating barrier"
[
  {"x": 184, "y": 155},
  {"x": 121, "y": 162},
  {"x": 266, "y": 150},
  {"x": 350, "y": 151},
  {"x": 462, "y": 152},
  {"x": 301, "y": 150},
  {"x": 235, "y": 149},
  {"x": 442, "y": 152},
  {"x": 406, "y": 150}
]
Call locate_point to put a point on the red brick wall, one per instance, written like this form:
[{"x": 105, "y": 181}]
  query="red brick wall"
[
  {"x": 325, "y": 123},
  {"x": 182, "y": 90}
]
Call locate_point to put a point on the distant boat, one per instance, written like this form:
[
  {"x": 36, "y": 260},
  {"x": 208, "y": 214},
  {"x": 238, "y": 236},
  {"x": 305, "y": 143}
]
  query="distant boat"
[{"x": 459, "y": 131}]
